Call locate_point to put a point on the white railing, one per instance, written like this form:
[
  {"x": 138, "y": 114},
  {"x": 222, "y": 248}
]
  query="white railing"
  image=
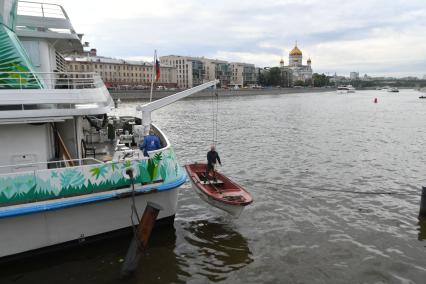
[
  {"x": 56, "y": 164},
  {"x": 45, "y": 10},
  {"x": 50, "y": 80}
]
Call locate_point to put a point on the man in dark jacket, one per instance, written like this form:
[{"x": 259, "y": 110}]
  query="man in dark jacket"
[
  {"x": 151, "y": 142},
  {"x": 212, "y": 157}
]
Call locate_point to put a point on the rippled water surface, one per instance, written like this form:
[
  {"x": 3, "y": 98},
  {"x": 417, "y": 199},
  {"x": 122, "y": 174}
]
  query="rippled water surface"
[{"x": 314, "y": 164}]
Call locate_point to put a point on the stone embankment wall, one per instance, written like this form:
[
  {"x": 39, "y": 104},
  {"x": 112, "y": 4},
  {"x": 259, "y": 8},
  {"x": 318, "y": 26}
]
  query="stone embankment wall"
[{"x": 144, "y": 94}]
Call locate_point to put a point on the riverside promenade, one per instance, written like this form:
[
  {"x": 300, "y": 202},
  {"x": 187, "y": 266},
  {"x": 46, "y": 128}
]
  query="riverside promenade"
[{"x": 144, "y": 94}]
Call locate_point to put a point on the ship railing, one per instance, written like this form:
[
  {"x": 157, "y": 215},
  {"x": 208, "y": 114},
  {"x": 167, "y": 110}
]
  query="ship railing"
[
  {"x": 54, "y": 164},
  {"x": 43, "y": 17},
  {"x": 51, "y": 80},
  {"x": 44, "y": 10}
]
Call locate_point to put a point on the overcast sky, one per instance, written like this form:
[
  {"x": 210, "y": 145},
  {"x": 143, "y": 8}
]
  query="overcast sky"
[{"x": 377, "y": 37}]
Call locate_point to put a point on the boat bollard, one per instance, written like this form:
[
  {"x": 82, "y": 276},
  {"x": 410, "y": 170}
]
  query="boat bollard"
[
  {"x": 140, "y": 241},
  {"x": 422, "y": 212},
  {"x": 147, "y": 223}
]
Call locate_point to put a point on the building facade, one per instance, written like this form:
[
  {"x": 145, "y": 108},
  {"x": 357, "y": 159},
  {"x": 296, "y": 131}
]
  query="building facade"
[
  {"x": 295, "y": 67},
  {"x": 193, "y": 71},
  {"x": 243, "y": 74},
  {"x": 354, "y": 76},
  {"x": 122, "y": 73},
  {"x": 190, "y": 71},
  {"x": 217, "y": 69}
]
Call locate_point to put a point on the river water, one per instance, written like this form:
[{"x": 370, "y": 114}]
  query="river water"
[{"x": 336, "y": 181}]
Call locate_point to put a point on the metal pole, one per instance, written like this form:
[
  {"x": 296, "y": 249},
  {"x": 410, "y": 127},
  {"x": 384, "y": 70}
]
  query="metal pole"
[
  {"x": 422, "y": 212},
  {"x": 152, "y": 79}
]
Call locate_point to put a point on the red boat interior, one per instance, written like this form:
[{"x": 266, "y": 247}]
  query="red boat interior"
[{"x": 221, "y": 188}]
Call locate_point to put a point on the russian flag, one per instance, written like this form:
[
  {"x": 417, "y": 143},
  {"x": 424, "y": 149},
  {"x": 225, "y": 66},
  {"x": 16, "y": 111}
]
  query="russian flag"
[{"x": 157, "y": 70}]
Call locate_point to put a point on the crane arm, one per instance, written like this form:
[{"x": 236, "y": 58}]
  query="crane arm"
[{"x": 150, "y": 107}]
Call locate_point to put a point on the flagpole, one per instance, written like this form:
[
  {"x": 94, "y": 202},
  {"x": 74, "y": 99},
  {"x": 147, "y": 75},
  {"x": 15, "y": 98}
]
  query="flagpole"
[{"x": 153, "y": 74}]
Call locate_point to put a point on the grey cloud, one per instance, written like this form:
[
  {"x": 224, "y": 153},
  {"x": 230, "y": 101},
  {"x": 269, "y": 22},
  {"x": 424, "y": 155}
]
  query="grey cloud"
[{"x": 206, "y": 27}]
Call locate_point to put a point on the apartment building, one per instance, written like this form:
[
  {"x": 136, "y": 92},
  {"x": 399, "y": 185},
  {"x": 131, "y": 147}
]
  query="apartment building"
[
  {"x": 217, "y": 69},
  {"x": 193, "y": 71},
  {"x": 243, "y": 74},
  {"x": 119, "y": 72},
  {"x": 189, "y": 70}
]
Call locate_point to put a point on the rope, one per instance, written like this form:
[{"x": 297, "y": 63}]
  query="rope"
[
  {"x": 338, "y": 190},
  {"x": 215, "y": 112},
  {"x": 212, "y": 103},
  {"x": 134, "y": 211}
]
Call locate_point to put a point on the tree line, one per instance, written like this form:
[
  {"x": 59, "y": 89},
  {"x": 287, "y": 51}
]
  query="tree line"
[{"x": 276, "y": 77}]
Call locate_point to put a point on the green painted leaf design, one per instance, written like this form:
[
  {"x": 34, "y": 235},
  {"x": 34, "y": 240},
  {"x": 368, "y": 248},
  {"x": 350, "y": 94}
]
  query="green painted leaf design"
[
  {"x": 150, "y": 168},
  {"x": 155, "y": 172},
  {"x": 99, "y": 171},
  {"x": 145, "y": 176},
  {"x": 158, "y": 157},
  {"x": 163, "y": 172},
  {"x": 72, "y": 178}
]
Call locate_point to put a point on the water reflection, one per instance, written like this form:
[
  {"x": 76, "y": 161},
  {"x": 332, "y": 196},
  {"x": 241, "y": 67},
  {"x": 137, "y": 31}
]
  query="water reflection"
[
  {"x": 101, "y": 262},
  {"x": 98, "y": 262},
  {"x": 219, "y": 249},
  {"x": 422, "y": 229},
  {"x": 160, "y": 264}
]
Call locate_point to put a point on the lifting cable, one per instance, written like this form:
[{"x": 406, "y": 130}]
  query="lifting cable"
[{"x": 215, "y": 112}]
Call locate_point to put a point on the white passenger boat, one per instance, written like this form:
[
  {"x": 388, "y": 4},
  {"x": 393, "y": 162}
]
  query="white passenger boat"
[
  {"x": 344, "y": 89},
  {"x": 393, "y": 90},
  {"x": 62, "y": 158}
]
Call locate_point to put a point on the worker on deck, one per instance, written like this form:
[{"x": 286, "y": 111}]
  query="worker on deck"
[
  {"x": 212, "y": 158},
  {"x": 151, "y": 142}
]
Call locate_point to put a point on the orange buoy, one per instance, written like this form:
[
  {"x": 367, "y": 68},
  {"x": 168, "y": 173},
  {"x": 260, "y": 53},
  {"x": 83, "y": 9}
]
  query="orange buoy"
[{"x": 375, "y": 100}]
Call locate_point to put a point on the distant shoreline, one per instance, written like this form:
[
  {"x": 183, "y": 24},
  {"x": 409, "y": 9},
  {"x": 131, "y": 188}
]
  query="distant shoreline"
[{"x": 144, "y": 94}]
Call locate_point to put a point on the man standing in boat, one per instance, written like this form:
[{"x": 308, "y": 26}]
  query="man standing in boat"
[{"x": 212, "y": 158}]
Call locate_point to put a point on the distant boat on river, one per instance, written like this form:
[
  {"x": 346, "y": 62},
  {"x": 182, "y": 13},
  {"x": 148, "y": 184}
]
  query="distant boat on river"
[{"x": 344, "y": 89}]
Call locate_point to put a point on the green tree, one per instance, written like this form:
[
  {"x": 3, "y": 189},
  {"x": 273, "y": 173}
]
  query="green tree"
[
  {"x": 299, "y": 83},
  {"x": 263, "y": 80},
  {"x": 320, "y": 80},
  {"x": 275, "y": 78}
]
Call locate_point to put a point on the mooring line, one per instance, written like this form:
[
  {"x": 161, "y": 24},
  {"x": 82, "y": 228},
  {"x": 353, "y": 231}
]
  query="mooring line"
[{"x": 338, "y": 190}]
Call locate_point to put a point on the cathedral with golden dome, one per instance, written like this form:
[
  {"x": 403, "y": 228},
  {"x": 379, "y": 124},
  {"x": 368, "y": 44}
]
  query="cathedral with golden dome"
[{"x": 295, "y": 67}]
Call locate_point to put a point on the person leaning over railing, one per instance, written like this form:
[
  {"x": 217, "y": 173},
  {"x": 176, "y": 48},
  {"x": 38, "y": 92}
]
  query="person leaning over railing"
[{"x": 151, "y": 142}]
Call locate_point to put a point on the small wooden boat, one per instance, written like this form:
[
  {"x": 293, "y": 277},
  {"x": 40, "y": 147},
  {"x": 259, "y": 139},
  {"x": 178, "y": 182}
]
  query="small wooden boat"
[{"x": 221, "y": 192}]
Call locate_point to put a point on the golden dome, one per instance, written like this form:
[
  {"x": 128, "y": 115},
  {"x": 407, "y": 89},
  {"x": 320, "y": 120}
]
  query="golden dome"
[{"x": 295, "y": 51}]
